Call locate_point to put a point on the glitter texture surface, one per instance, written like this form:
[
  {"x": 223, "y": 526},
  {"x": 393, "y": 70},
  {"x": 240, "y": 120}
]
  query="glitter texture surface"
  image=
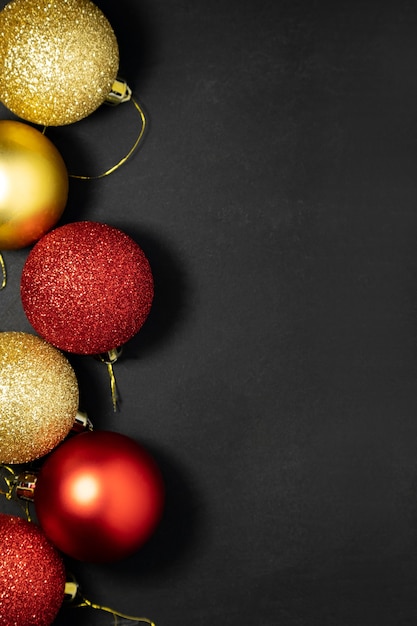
[
  {"x": 38, "y": 397},
  {"x": 32, "y": 575},
  {"x": 58, "y": 59},
  {"x": 87, "y": 287}
]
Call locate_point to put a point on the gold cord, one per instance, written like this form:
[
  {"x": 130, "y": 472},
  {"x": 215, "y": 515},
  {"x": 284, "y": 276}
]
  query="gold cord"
[
  {"x": 10, "y": 482},
  {"x": 113, "y": 385},
  {"x": 78, "y": 601},
  {"x": 26, "y": 509},
  {"x": 3, "y": 271},
  {"x": 10, "y": 494},
  {"x": 109, "y": 358},
  {"x": 128, "y": 155},
  {"x": 91, "y": 605}
]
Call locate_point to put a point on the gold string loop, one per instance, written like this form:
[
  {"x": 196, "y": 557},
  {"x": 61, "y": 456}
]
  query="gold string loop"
[
  {"x": 110, "y": 358},
  {"x": 131, "y": 151},
  {"x": 13, "y": 483},
  {"x": 116, "y": 614},
  {"x": 9, "y": 479},
  {"x": 74, "y": 595},
  {"x": 113, "y": 386},
  {"x": 119, "y": 93},
  {"x": 3, "y": 272}
]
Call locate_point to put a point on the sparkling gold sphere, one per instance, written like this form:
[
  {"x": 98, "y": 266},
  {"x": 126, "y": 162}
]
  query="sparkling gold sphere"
[
  {"x": 38, "y": 397},
  {"x": 33, "y": 184},
  {"x": 58, "y": 59}
]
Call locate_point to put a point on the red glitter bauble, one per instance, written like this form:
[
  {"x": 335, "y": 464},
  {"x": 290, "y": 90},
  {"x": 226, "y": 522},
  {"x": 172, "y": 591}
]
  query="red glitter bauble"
[
  {"x": 32, "y": 575},
  {"x": 87, "y": 287},
  {"x": 99, "y": 496}
]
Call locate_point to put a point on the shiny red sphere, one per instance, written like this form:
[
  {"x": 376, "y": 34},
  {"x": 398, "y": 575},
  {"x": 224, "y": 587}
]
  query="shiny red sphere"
[{"x": 99, "y": 496}]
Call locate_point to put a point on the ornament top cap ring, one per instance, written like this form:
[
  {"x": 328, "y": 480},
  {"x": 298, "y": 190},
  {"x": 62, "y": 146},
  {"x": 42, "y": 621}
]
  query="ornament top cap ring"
[{"x": 58, "y": 59}]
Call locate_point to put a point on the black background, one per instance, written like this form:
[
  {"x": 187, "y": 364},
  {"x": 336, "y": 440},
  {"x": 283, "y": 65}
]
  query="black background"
[{"x": 275, "y": 381}]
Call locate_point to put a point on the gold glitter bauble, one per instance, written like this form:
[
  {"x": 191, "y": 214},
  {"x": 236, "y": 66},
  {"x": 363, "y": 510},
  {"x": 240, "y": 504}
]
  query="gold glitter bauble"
[
  {"x": 33, "y": 184},
  {"x": 38, "y": 397},
  {"x": 58, "y": 59}
]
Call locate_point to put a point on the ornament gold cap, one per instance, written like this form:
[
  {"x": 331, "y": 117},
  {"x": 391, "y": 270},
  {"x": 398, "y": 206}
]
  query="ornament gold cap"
[
  {"x": 120, "y": 92},
  {"x": 25, "y": 486},
  {"x": 81, "y": 423},
  {"x": 111, "y": 356}
]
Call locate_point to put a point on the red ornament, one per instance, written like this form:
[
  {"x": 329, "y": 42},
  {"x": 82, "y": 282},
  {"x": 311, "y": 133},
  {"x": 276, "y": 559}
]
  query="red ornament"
[
  {"x": 87, "y": 287},
  {"x": 32, "y": 575},
  {"x": 99, "y": 496}
]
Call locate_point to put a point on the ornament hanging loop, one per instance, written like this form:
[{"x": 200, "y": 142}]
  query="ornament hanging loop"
[
  {"x": 74, "y": 595},
  {"x": 19, "y": 487},
  {"x": 9, "y": 478},
  {"x": 3, "y": 282},
  {"x": 120, "y": 93},
  {"x": 110, "y": 358}
]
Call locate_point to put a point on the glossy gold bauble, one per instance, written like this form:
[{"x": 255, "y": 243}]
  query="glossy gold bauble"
[
  {"x": 58, "y": 59},
  {"x": 33, "y": 184},
  {"x": 38, "y": 397}
]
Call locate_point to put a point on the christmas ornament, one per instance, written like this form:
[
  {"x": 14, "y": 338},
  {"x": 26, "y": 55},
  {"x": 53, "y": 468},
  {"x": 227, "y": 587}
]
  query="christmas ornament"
[
  {"x": 33, "y": 184},
  {"x": 38, "y": 397},
  {"x": 99, "y": 496},
  {"x": 86, "y": 288},
  {"x": 58, "y": 59},
  {"x": 32, "y": 575}
]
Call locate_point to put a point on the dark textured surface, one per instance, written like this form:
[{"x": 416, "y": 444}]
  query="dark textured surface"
[{"x": 275, "y": 380}]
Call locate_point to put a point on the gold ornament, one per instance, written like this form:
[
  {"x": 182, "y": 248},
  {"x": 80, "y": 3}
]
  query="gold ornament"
[
  {"x": 58, "y": 59},
  {"x": 38, "y": 397},
  {"x": 33, "y": 184}
]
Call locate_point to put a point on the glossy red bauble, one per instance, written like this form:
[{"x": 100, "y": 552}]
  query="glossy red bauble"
[
  {"x": 99, "y": 496},
  {"x": 32, "y": 575},
  {"x": 87, "y": 287}
]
